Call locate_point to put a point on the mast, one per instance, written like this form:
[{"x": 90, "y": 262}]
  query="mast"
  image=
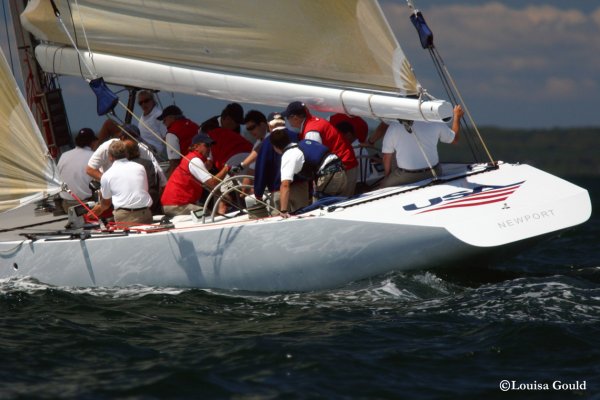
[{"x": 42, "y": 92}]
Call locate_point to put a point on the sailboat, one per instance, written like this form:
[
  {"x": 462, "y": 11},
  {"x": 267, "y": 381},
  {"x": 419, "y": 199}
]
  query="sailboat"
[{"x": 249, "y": 52}]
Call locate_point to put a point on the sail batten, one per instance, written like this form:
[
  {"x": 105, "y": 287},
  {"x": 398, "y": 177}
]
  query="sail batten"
[{"x": 27, "y": 173}]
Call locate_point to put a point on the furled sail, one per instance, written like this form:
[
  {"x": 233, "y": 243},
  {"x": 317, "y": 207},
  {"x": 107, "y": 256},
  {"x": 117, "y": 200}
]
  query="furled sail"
[
  {"x": 26, "y": 170},
  {"x": 345, "y": 45}
]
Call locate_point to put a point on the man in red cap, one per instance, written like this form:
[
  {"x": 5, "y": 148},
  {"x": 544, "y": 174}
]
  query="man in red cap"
[{"x": 320, "y": 130}]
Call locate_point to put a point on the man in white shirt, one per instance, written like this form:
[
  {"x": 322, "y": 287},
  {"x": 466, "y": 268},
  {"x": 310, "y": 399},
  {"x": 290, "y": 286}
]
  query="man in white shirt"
[
  {"x": 71, "y": 168},
  {"x": 415, "y": 145},
  {"x": 125, "y": 186},
  {"x": 149, "y": 125},
  {"x": 308, "y": 160},
  {"x": 100, "y": 162}
]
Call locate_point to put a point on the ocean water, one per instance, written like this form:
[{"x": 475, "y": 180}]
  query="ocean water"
[{"x": 530, "y": 324}]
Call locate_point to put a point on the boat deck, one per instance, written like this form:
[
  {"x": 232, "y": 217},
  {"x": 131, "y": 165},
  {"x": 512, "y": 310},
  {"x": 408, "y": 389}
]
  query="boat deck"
[{"x": 25, "y": 220}]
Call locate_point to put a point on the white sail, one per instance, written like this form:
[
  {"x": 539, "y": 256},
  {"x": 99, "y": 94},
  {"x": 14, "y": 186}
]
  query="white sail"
[
  {"x": 279, "y": 45},
  {"x": 27, "y": 172}
]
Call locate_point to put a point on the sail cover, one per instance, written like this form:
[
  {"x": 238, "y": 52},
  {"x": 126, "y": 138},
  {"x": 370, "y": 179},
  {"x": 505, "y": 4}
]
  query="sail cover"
[
  {"x": 26, "y": 170},
  {"x": 334, "y": 43}
]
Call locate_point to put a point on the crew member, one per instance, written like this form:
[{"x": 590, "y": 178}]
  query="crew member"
[
  {"x": 184, "y": 188},
  {"x": 320, "y": 130},
  {"x": 310, "y": 160},
  {"x": 125, "y": 187}
]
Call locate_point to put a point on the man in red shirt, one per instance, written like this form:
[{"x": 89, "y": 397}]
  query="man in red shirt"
[
  {"x": 180, "y": 131},
  {"x": 229, "y": 148},
  {"x": 320, "y": 130},
  {"x": 184, "y": 187}
]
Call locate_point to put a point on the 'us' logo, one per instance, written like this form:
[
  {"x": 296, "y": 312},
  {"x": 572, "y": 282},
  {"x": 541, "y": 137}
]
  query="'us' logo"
[{"x": 477, "y": 196}]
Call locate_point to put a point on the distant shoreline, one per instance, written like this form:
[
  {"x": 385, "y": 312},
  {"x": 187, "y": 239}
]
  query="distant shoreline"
[{"x": 560, "y": 151}]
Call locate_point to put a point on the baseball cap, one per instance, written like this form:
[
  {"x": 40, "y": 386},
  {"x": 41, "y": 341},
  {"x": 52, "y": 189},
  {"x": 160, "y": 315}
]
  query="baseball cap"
[
  {"x": 202, "y": 138},
  {"x": 170, "y": 110},
  {"x": 132, "y": 130},
  {"x": 85, "y": 137},
  {"x": 235, "y": 111},
  {"x": 293, "y": 108}
]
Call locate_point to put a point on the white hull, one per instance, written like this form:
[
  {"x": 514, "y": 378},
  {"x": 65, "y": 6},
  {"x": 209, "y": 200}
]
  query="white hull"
[{"x": 380, "y": 232}]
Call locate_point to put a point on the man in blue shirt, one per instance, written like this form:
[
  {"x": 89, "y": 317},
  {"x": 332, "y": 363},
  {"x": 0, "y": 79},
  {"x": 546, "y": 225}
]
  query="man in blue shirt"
[{"x": 267, "y": 168}]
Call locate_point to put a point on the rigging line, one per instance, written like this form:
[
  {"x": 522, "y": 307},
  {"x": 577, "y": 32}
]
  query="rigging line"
[
  {"x": 75, "y": 33},
  {"x": 371, "y": 106},
  {"x": 125, "y": 132},
  {"x": 32, "y": 225},
  {"x": 74, "y": 196},
  {"x": 12, "y": 67},
  {"x": 468, "y": 135},
  {"x": 87, "y": 43},
  {"x": 467, "y": 111},
  {"x": 435, "y": 177},
  {"x": 127, "y": 110},
  {"x": 157, "y": 97},
  {"x": 130, "y": 112},
  {"x": 421, "y": 108},
  {"x": 341, "y": 97},
  {"x": 81, "y": 57},
  {"x": 17, "y": 247},
  {"x": 476, "y": 150}
]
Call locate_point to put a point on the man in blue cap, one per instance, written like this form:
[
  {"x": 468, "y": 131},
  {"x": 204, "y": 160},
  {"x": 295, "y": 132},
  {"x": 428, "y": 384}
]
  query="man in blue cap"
[
  {"x": 321, "y": 131},
  {"x": 185, "y": 185}
]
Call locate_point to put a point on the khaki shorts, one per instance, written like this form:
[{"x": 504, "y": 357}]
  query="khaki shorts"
[
  {"x": 400, "y": 177},
  {"x": 171, "y": 211},
  {"x": 332, "y": 184},
  {"x": 143, "y": 216}
]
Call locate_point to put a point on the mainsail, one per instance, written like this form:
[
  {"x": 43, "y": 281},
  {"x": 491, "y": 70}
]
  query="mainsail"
[
  {"x": 335, "y": 55},
  {"x": 27, "y": 172}
]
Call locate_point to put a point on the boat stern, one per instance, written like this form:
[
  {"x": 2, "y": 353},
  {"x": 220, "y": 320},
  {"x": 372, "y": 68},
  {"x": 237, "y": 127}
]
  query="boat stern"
[{"x": 513, "y": 203}]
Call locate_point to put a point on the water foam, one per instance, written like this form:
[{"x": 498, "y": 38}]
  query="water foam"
[{"x": 31, "y": 286}]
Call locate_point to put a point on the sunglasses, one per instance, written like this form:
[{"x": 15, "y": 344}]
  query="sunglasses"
[{"x": 144, "y": 101}]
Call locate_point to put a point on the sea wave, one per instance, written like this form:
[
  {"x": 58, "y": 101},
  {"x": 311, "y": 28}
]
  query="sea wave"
[
  {"x": 31, "y": 285},
  {"x": 556, "y": 298}
]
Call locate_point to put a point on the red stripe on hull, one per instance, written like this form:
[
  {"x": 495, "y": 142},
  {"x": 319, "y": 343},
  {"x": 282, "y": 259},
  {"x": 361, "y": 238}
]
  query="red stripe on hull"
[{"x": 465, "y": 205}]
